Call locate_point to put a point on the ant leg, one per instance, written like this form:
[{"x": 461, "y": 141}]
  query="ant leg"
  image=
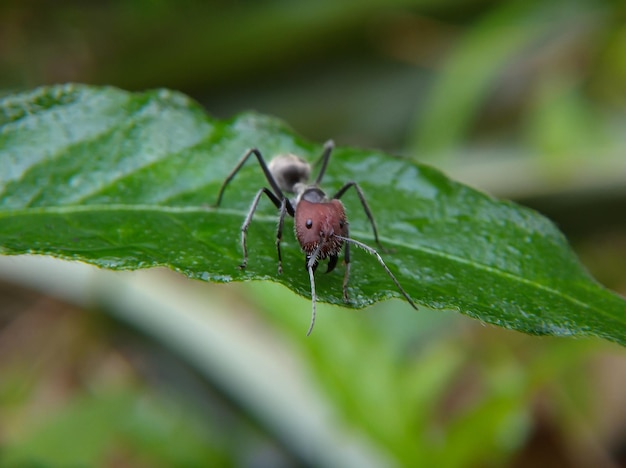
[
  {"x": 366, "y": 208},
  {"x": 248, "y": 220},
  {"x": 373, "y": 252},
  {"x": 346, "y": 275},
  {"x": 278, "y": 194},
  {"x": 328, "y": 148},
  {"x": 279, "y": 233}
]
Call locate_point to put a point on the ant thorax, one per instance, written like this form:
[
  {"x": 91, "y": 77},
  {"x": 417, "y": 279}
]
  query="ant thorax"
[{"x": 310, "y": 193}]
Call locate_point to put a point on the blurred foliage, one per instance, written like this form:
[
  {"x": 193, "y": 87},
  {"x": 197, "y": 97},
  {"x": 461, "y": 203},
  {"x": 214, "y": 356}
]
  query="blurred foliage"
[
  {"x": 77, "y": 390},
  {"x": 460, "y": 70},
  {"x": 452, "y": 394},
  {"x": 453, "y": 82}
]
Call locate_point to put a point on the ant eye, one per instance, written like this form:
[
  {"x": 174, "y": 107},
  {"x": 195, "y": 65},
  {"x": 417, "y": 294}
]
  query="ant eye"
[
  {"x": 341, "y": 224},
  {"x": 309, "y": 223}
]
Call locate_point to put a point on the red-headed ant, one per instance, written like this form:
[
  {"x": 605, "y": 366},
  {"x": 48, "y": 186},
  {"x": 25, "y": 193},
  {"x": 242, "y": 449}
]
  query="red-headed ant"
[{"x": 321, "y": 225}]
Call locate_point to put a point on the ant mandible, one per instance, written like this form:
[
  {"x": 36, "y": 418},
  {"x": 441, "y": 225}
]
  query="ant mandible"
[{"x": 321, "y": 225}]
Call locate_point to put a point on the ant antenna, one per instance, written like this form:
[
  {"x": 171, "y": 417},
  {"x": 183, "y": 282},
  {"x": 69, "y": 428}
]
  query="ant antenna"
[
  {"x": 310, "y": 268},
  {"x": 328, "y": 148},
  {"x": 372, "y": 251}
]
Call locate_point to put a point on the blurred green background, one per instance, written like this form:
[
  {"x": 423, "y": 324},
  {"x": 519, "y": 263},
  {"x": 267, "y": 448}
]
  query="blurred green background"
[{"x": 523, "y": 99}]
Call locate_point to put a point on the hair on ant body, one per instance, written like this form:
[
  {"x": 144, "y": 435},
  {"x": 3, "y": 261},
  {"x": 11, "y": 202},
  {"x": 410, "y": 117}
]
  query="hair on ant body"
[{"x": 320, "y": 222}]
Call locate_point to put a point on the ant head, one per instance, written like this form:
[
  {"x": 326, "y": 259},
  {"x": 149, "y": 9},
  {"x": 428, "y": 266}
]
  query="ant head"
[
  {"x": 318, "y": 224},
  {"x": 289, "y": 170}
]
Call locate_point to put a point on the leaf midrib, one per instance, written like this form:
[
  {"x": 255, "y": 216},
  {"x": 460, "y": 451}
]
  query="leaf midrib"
[{"x": 272, "y": 219}]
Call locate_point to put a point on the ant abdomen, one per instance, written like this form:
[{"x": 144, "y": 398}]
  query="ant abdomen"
[{"x": 289, "y": 170}]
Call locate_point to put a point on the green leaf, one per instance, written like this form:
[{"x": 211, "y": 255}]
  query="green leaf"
[{"x": 127, "y": 181}]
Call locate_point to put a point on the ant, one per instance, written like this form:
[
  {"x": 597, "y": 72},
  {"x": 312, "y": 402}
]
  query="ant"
[{"x": 321, "y": 225}]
